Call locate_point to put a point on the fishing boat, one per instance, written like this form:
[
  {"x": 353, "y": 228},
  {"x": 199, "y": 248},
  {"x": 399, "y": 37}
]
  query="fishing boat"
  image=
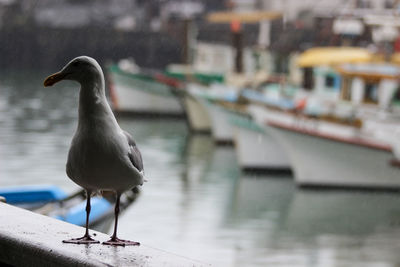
[
  {"x": 52, "y": 201},
  {"x": 138, "y": 92},
  {"x": 231, "y": 124},
  {"x": 344, "y": 141},
  {"x": 211, "y": 65},
  {"x": 218, "y": 63},
  {"x": 330, "y": 155},
  {"x": 348, "y": 81}
]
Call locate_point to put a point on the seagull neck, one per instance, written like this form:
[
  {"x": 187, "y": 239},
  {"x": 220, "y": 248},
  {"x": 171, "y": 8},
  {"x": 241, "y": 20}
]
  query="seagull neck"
[{"x": 92, "y": 101}]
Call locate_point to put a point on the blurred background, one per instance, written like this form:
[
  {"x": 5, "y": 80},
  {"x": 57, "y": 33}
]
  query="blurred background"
[{"x": 268, "y": 129}]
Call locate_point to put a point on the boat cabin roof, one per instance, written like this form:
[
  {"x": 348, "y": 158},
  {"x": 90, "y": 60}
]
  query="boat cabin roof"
[
  {"x": 319, "y": 56},
  {"x": 371, "y": 71},
  {"x": 243, "y": 17}
]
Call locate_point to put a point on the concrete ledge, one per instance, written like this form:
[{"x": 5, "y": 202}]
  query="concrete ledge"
[{"x": 29, "y": 239}]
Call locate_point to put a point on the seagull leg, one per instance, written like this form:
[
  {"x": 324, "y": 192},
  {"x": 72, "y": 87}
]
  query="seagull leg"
[
  {"x": 115, "y": 241},
  {"x": 86, "y": 239}
]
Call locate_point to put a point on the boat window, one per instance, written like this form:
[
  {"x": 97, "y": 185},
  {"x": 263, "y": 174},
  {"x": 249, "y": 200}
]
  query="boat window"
[
  {"x": 363, "y": 4},
  {"x": 346, "y": 89},
  {"x": 308, "y": 78},
  {"x": 371, "y": 93},
  {"x": 396, "y": 96},
  {"x": 329, "y": 81},
  {"x": 389, "y": 4},
  {"x": 281, "y": 64}
]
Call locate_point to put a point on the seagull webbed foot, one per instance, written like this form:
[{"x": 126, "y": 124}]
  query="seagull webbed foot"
[
  {"x": 114, "y": 241},
  {"x": 86, "y": 239}
]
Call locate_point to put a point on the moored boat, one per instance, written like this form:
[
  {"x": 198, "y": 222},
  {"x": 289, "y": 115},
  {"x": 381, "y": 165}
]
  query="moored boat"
[
  {"x": 329, "y": 160},
  {"x": 144, "y": 94},
  {"x": 52, "y": 201},
  {"x": 339, "y": 134},
  {"x": 332, "y": 152}
]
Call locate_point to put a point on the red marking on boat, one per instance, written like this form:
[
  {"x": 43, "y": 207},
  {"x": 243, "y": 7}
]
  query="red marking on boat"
[
  {"x": 301, "y": 104},
  {"x": 395, "y": 163},
  {"x": 351, "y": 141},
  {"x": 235, "y": 26},
  {"x": 113, "y": 94},
  {"x": 167, "y": 80}
]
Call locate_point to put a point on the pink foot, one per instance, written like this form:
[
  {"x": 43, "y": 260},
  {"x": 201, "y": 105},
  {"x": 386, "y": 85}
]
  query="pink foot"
[
  {"x": 81, "y": 240},
  {"x": 119, "y": 242}
]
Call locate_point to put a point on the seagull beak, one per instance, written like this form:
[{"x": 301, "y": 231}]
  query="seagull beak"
[{"x": 54, "y": 78}]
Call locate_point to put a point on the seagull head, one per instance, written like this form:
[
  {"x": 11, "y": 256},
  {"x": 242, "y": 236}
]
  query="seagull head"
[{"x": 82, "y": 69}]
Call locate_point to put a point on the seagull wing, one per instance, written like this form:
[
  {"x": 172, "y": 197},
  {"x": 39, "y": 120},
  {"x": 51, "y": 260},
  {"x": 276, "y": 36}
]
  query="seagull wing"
[{"x": 134, "y": 154}]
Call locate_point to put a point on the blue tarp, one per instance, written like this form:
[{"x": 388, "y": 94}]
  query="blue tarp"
[
  {"x": 77, "y": 214},
  {"x": 32, "y": 193}
]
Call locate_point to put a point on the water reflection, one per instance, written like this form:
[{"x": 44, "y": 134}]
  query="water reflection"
[
  {"x": 315, "y": 213},
  {"x": 338, "y": 228},
  {"x": 197, "y": 203},
  {"x": 36, "y": 127}
]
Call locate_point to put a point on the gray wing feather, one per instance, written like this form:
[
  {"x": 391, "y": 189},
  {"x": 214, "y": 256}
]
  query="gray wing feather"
[{"x": 134, "y": 154}]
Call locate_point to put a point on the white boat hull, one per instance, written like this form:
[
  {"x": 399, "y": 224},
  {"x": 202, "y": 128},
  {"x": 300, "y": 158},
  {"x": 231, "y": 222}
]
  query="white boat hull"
[
  {"x": 255, "y": 149},
  {"x": 329, "y": 154},
  {"x": 319, "y": 161},
  {"x": 221, "y": 129},
  {"x": 197, "y": 116},
  {"x": 143, "y": 97}
]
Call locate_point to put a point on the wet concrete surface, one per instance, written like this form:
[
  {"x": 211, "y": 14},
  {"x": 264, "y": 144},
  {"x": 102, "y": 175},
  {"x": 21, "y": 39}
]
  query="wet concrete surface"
[{"x": 29, "y": 239}]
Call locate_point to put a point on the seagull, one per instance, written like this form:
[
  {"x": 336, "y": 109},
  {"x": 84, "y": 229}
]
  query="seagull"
[{"x": 102, "y": 157}]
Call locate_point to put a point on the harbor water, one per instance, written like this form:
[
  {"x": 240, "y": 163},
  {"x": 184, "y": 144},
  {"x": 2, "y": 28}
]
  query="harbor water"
[{"x": 197, "y": 203}]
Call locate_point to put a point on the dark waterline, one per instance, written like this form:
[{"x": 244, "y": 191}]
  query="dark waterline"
[{"x": 197, "y": 203}]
